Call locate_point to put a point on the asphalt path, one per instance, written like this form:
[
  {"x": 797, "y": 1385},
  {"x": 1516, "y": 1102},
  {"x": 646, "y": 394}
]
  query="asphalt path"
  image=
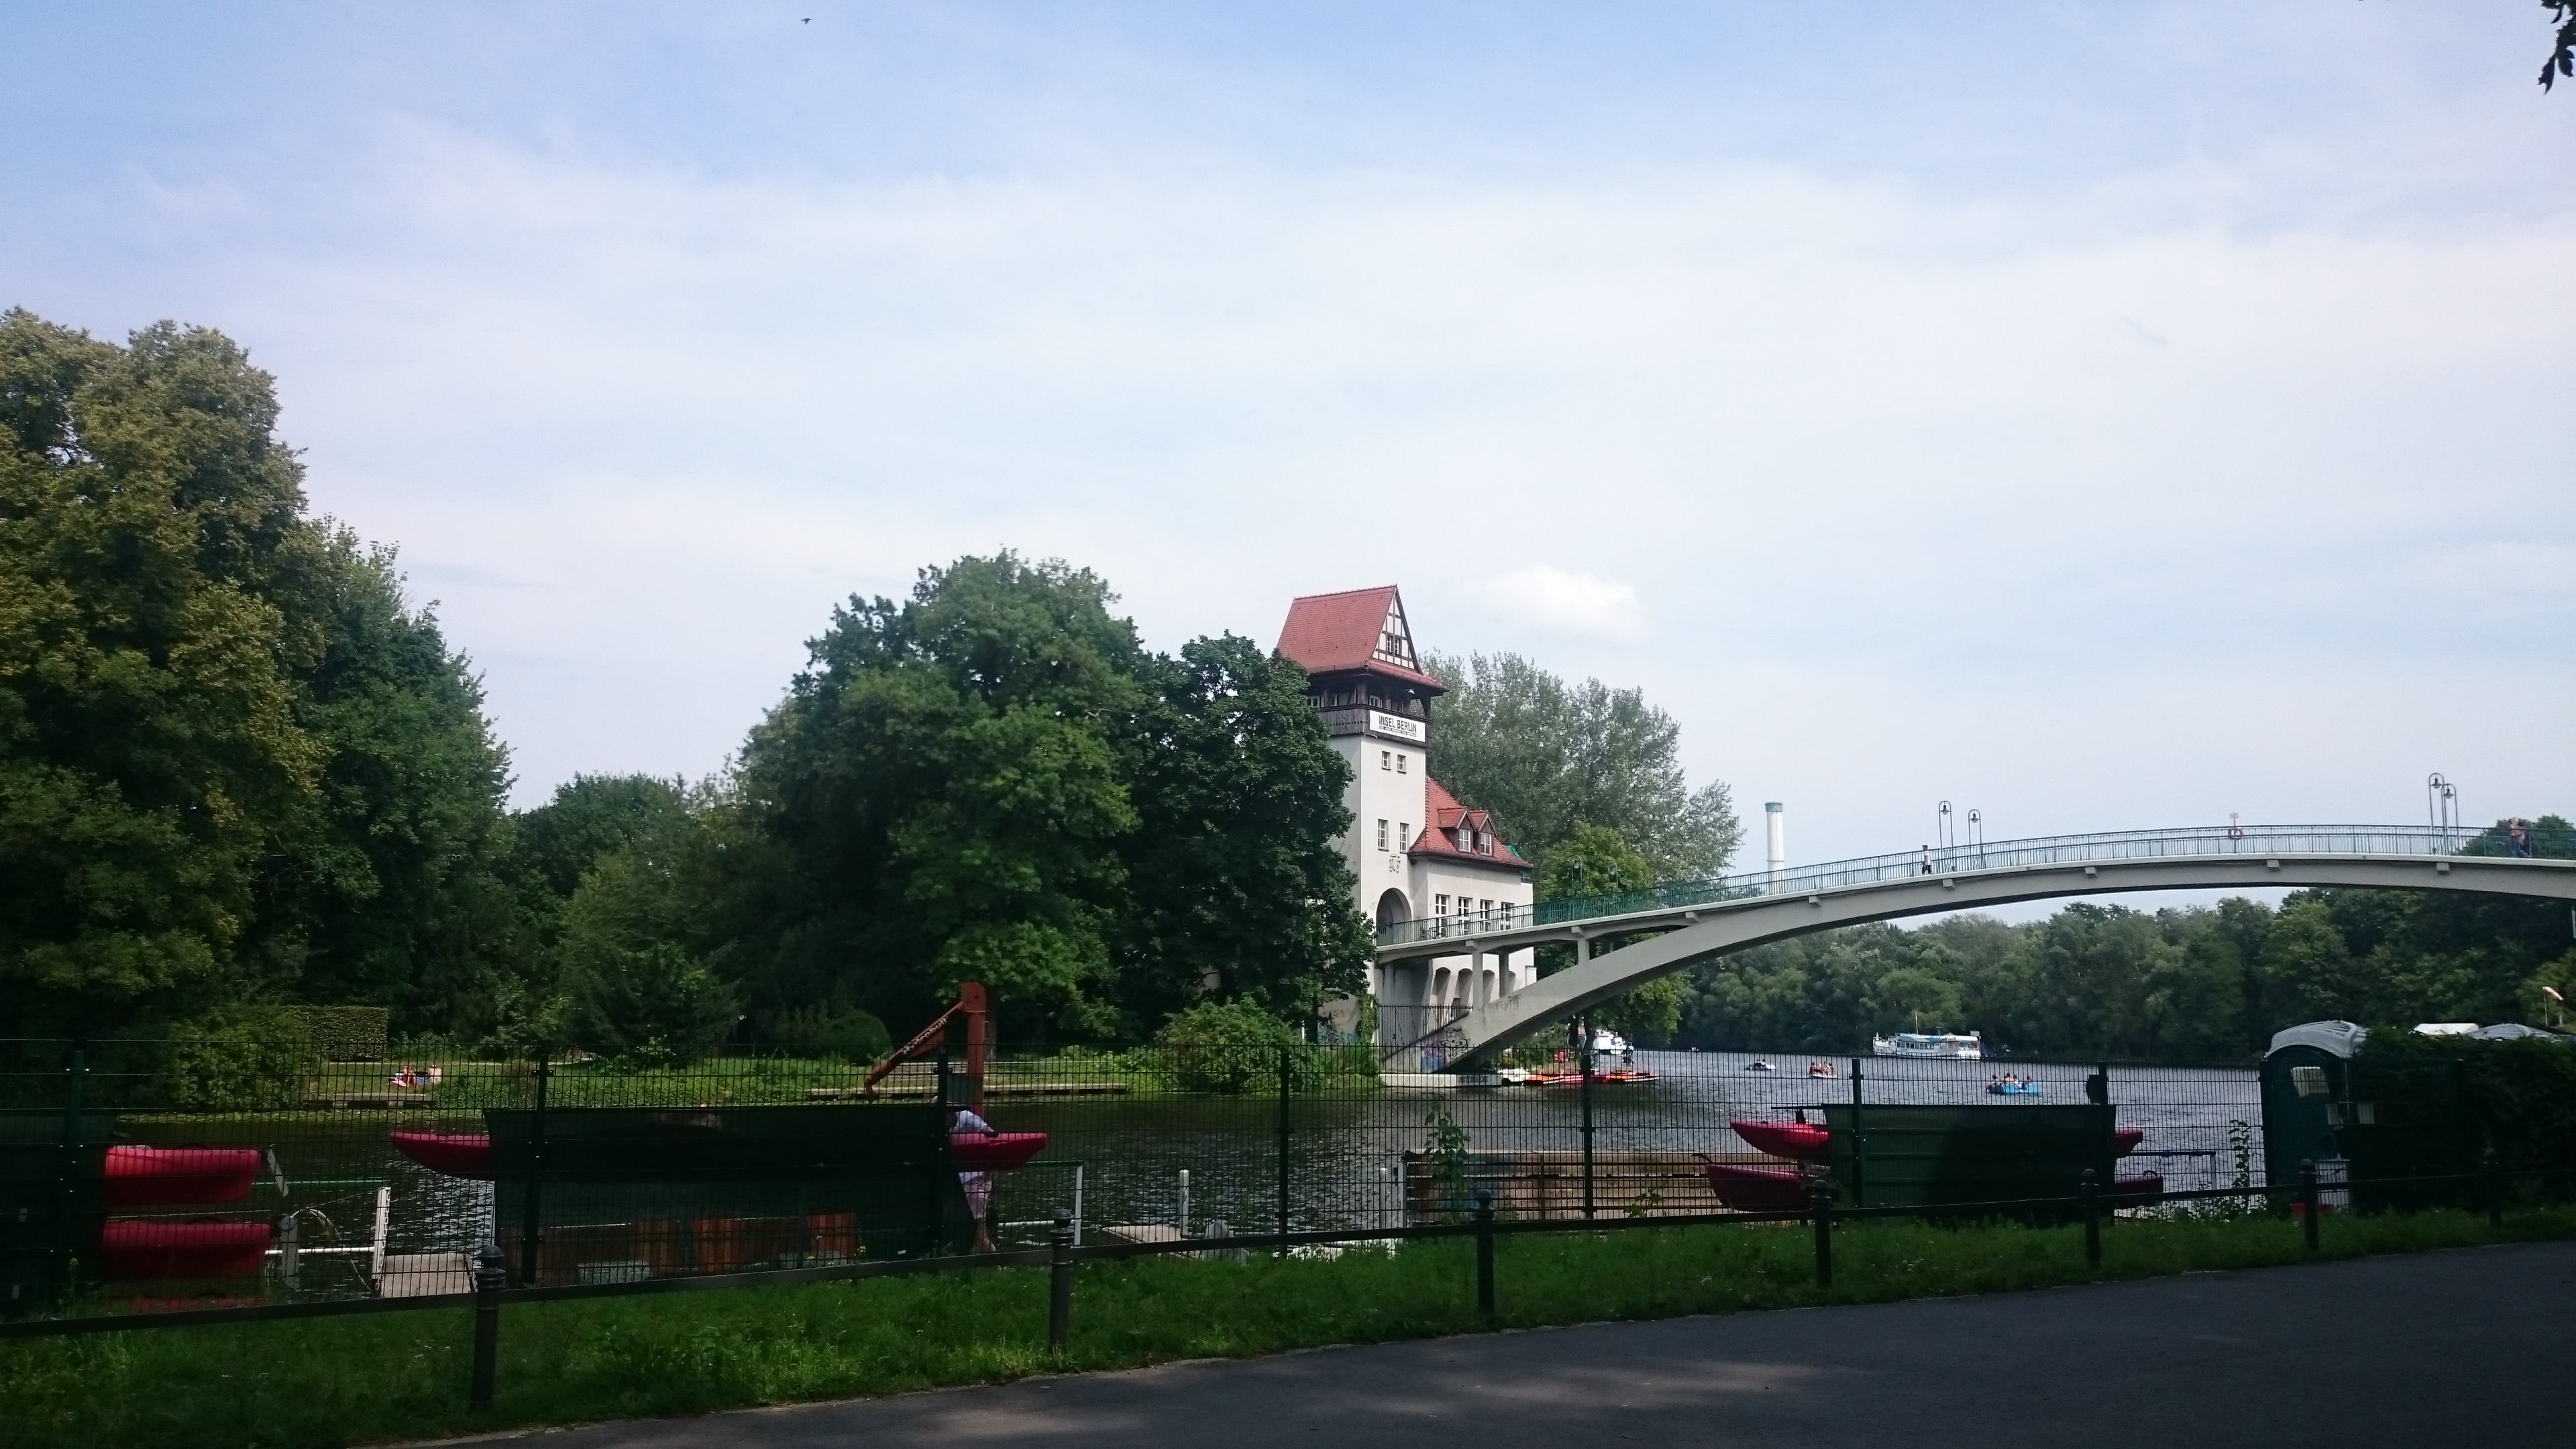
[{"x": 2477, "y": 1345}]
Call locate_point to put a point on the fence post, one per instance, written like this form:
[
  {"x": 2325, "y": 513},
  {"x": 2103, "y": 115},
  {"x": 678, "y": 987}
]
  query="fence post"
[
  {"x": 531, "y": 1216},
  {"x": 2495, "y": 1192},
  {"x": 2091, "y": 1191},
  {"x": 1060, "y": 1282},
  {"x": 1485, "y": 1251},
  {"x": 489, "y": 1273},
  {"x": 1587, "y": 1118},
  {"x": 1860, "y": 1143},
  {"x": 67, "y": 1170},
  {"x": 1284, "y": 1066},
  {"x": 1820, "y": 1211},
  {"x": 2308, "y": 1199}
]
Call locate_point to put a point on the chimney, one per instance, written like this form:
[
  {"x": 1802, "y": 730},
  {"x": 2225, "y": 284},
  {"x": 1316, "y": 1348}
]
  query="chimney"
[{"x": 1775, "y": 829}]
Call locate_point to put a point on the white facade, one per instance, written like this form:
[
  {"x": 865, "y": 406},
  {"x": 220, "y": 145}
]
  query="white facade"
[{"x": 1415, "y": 853}]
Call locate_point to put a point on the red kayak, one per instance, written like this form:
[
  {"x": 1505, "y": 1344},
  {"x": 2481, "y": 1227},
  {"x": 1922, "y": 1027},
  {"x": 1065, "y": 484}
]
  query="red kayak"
[
  {"x": 1758, "y": 1189},
  {"x": 146, "y": 1248},
  {"x": 453, "y": 1154},
  {"x": 1783, "y": 1139},
  {"x": 996, "y": 1152},
  {"x": 153, "y": 1176},
  {"x": 2125, "y": 1140}
]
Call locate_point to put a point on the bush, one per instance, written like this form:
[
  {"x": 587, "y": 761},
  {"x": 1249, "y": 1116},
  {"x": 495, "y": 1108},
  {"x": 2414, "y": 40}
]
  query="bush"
[
  {"x": 1235, "y": 1047},
  {"x": 347, "y": 1033},
  {"x": 244, "y": 1059},
  {"x": 819, "y": 1031}
]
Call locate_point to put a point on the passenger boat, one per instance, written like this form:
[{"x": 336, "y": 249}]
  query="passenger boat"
[
  {"x": 1948, "y": 1046},
  {"x": 155, "y": 1176},
  {"x": 1757, "y": 1189},
  {"x": 1783, "y": 1139},
  {"x": 152, "y": 1248}
]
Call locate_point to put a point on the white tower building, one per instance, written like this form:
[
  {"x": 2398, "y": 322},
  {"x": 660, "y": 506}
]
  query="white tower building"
[{"x": 1419, "y": 855}]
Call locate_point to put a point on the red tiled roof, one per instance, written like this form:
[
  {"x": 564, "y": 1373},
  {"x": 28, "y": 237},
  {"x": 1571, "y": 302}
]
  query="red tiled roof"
[
  {"x": 1328, "y": 633},
  {"x": 1446, "y": 814}
]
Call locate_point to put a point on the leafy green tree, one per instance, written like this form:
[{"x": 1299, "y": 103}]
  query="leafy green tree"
[
  {"x": 635, "y": 987},
  {"x": 388, "y": 888},
  {"x": 1593, "y": 860},
  {"x": 1543, "y": 756},
  {"x": 149, "y": 750},
  {"x": 233, "y": 763},
  {"x": 1237, "y": 888}
]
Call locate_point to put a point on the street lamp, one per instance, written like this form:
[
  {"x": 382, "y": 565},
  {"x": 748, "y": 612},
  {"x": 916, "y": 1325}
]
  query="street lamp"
[{"x": 2442, "y": 805}]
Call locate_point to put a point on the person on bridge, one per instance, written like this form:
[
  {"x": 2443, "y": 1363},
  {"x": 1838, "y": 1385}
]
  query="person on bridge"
[
  {"x": 2517, "y": 839},
  {"x": 1927, "y": 860}
]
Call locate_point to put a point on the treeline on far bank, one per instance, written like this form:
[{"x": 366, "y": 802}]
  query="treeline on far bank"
[{"x": 2177, "y": 983}]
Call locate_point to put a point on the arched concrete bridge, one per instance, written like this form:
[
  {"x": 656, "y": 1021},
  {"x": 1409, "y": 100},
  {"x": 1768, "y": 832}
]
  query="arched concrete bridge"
[{"x": 1698, "y": 920}]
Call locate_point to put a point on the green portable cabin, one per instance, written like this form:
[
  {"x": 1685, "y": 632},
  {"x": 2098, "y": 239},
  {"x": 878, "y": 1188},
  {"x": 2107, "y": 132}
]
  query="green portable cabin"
[
  {"x": 1935, "y": 1156},
  {"x": 2307, "y": 1092},
  {"x": 617, "y": 1193}
]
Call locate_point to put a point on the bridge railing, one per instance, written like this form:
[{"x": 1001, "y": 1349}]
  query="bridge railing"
[{"x": 2179, "y": 843}]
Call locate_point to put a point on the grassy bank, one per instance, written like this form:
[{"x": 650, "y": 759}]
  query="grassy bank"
[{"x": 331, "y": 1382}]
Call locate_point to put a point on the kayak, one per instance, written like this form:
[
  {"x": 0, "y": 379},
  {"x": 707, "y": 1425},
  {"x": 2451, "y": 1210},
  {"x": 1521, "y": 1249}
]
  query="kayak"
[
  {"x": 149, "y": 1248},
  {"x": 1782, "y": 1139},
  {"x": 998, "y": 1152},
  {"x": 152, "y": 1176},
  {"x": 1758, "y": 1189},
  {"x": 450, "y": 1154}
]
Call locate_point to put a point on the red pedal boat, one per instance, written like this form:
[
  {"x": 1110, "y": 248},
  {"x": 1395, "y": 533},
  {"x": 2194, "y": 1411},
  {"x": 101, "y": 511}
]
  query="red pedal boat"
[
  {"x": 1758, "y": 1189},
  {"x": 147, "y": 1248},
  {"x": 2139, "y": 1191},
  {"x": 997, "y": 1152},
  {"x": 154, "y": 1176},
  {"x": 453, "y": 1154},
  {"x": 1783, "y": 1139}
]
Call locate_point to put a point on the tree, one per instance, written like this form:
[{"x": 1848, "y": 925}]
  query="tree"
[
  {"x": 1238, "y": 890},
  {"x": 993, "y": 780},
  {"x": 1593, "y": 861},
  {"x": 1514, "y": 739},
  {"x": 2562, "y": 44},
  {"x": 233, "y": 763}
]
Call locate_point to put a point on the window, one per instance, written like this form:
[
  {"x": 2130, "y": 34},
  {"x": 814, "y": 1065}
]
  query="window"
[
  {"x": 1488, "y": 908},
  {"x": 1381, "y": 835},
  {"x": 1399, "y": 764},
  {"x": 1404, "y": 834},
  {"x": 1440, "y": 905},
  {"x": 1382, "y": 757}
]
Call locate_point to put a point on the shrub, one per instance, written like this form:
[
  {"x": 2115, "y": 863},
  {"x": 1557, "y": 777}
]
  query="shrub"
[
  {"x": 347, "y": 1033},
  {"x": 248, "y": 1058},
  {"x": 1235, "y": 1047}
]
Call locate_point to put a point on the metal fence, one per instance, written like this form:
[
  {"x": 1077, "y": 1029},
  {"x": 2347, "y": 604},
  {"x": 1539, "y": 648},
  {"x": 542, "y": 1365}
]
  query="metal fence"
[{"x": 140, "y": 1177}]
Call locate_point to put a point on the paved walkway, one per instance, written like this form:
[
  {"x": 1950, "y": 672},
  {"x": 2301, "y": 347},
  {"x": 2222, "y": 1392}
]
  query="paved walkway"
[{"x": 2476, "y": 1346}]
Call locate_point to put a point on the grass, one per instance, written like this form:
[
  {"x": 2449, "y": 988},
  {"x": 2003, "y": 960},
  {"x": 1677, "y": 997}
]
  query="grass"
[{"x": 355, "y": 1380}]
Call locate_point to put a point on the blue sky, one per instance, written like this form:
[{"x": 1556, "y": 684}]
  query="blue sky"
[{"x": 2101, "y": 415}]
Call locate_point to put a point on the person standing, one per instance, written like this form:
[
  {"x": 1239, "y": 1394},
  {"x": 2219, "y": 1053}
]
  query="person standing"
[
  {"x": 978, "y": 1185},
  {"x": 2517, "y": 839}
]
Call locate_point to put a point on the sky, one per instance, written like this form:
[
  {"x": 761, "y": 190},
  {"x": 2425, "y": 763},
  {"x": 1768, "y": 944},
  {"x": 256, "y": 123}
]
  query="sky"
[{"x": 2102, "y": 416}]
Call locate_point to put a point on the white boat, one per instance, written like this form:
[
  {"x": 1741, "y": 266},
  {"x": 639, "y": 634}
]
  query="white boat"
[
  {"x": 1949, "y": 1046},
  {"x": 1608, "y": 1043}
]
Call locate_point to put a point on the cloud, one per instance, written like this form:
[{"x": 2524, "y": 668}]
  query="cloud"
[{"x": 1550, "y": 598}]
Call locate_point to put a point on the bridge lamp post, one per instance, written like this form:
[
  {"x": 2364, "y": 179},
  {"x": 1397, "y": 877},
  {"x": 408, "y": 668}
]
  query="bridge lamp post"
[
  {"x": 1943, "y": 832},
  {"x": 2442, "y": 805},
  {"x": 1977, "y": 833}
]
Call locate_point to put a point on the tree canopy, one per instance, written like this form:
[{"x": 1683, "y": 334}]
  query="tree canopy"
[
  {"x": 232, "y": 761},
  {"x": 1545, "y": 756}
]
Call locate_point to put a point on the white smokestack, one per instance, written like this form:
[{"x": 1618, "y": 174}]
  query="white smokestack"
[{"x": 1775, "y": 831}]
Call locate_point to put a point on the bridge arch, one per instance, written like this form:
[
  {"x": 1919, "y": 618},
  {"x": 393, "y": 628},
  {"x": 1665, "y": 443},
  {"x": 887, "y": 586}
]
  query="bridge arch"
[{"x": 1696, "y": 932}]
